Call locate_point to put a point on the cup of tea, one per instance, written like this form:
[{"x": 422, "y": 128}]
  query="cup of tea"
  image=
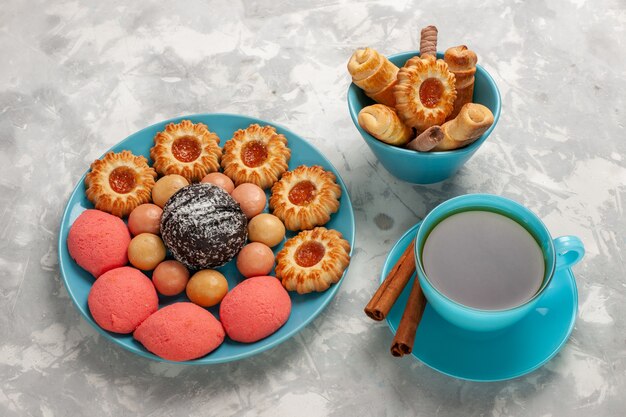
[{"x": 483, "y": 261}]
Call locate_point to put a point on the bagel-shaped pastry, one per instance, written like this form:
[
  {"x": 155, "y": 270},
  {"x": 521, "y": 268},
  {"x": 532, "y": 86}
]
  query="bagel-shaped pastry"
[
  {"x": 257, "y": 155},
  {"x": 305, "y": 197},
  {"x": 313, "y": 260},
  {"x": 425, "y": 93},
  {"x": 187, "y": 149},
  {"x": 119, "y": 182}
]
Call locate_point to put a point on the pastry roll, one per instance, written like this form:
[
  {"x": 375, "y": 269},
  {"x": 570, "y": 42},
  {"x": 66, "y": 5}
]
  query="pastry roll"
[
  {"x": 374, "y": 74},
  {"x": 428, "y": 45},
  {"x": 426, "y": 140},
  {"x": 462, "y": 62},
  {"x": 471, "y": 122},
  {"x": 428, "y": 41},
  {"x": 383, "y": 123}
]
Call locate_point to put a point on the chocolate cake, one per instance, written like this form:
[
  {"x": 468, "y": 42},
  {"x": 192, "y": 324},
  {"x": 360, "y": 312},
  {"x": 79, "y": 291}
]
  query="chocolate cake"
[{"x": 203, "y": 226}]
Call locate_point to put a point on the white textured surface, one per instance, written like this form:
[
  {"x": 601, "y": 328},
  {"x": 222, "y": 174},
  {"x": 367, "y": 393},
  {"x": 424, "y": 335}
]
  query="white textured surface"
[{"x": 79, "y": 76}]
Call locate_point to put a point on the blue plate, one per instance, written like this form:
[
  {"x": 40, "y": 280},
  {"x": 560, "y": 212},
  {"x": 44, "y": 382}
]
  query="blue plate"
[
  {"x": 490, "y": 356},
  {"x": 304, "y": 307}
]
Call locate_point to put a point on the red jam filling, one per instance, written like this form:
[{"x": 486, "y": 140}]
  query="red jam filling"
[
  {"x": 122, "y": 180},
  {"x": 254, "y": 153},
  {"x": 431, "y": 91},
  {"x": 186, "y": 149},
  {"x": 309, "y": 253},
  {"x": 302, "y": 193}
]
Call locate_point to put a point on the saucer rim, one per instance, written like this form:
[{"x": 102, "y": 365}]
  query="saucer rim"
[{"x": 570, "y": 275}]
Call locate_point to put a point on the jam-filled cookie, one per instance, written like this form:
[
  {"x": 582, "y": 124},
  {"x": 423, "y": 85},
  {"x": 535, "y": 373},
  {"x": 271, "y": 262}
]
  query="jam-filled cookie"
[
  {"x": 257, "y": 155},
  {"x": 187, "y": 149},
  {"x": 425, "y": 93},
  {"x": 313, "y": 260},
  {"x": 305, "y": 197},
  {"x": 119, "y": 182}
]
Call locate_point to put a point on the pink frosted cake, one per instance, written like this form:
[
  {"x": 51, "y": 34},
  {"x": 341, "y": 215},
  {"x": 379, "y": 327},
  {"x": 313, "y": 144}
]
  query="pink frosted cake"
[
  {"x": 255, "y": 309},
  {"x": 121, "y": 299},
  {"x": 98, "y": 242},
  {"x": 180, "y": 332}
]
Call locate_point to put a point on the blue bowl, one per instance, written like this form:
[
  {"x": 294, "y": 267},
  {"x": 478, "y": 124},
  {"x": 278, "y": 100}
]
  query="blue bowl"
[
  {"x": 425, "y": 167},
  {"x": 304, "y": 308}
]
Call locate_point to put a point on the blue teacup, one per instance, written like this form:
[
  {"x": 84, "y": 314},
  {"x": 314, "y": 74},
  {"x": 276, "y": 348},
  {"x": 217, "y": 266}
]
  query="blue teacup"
[
  {"x": 562, "y": 252},
  {"x": 426, "y": 167}
]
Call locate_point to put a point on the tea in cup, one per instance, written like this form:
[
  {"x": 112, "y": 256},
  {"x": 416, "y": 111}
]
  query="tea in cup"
[{"x": 483, "y": 261}]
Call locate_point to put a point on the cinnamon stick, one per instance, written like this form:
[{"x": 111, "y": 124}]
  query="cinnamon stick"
[
  {"x": 405, "y": 336},
  {"x": 395, "y": 281}
]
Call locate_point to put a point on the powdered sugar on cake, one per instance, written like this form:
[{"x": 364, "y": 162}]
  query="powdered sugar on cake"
[{"x": 203, "y": 226}]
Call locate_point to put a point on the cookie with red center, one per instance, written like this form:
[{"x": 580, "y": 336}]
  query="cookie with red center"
[
  {"x": 119, "y": 182},
  {"x": 187, "y": 149}
]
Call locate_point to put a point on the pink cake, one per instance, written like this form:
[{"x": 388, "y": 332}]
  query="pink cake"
[
  {"x": 180, "y": 332},
  {"x": 255, "y": 309},
  {"x": 121, "y": 299},
  {"x": 98, "y": 242}
]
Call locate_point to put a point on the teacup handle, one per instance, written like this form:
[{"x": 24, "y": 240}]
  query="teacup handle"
[{"x": 569, "y": 251}]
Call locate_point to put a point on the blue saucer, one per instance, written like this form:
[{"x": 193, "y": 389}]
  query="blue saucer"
[
  {"x": 304, "y": 308},
  {"x": 490, "y": 356}
]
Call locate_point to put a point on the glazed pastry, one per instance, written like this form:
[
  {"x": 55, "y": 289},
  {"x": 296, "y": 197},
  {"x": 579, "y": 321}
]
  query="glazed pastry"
[
  {"x": 374, "y": 74},
  {"x": 187, "y": 149},
  {"x": 383, "y": 123},
  {"x": 412, "y": 61},
  {"x": 305, "y": 197},
  {"x": 425, "y": 93},
  {"x": 462, "y": 62},
  {"x": 257, "y": 155},
  {"x": 119, "y": 182},
  {"x": 313, "y": 260},
  {"x": 473, "y": 120}
]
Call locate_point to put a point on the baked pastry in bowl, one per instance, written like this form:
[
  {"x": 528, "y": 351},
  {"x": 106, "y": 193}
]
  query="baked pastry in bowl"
[
  {"x": 425, "y": 93},
  {"x": 305, "y": 197},
  {"x": 257, "y": 155},
  {"x": 119, "y": 182},
  {"x": 312, "y": 260},
  {"x": 187, "y": 149}
]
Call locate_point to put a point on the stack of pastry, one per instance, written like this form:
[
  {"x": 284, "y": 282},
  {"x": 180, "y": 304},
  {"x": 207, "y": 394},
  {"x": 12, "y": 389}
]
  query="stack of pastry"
[{"x": 425, "y": 105}]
